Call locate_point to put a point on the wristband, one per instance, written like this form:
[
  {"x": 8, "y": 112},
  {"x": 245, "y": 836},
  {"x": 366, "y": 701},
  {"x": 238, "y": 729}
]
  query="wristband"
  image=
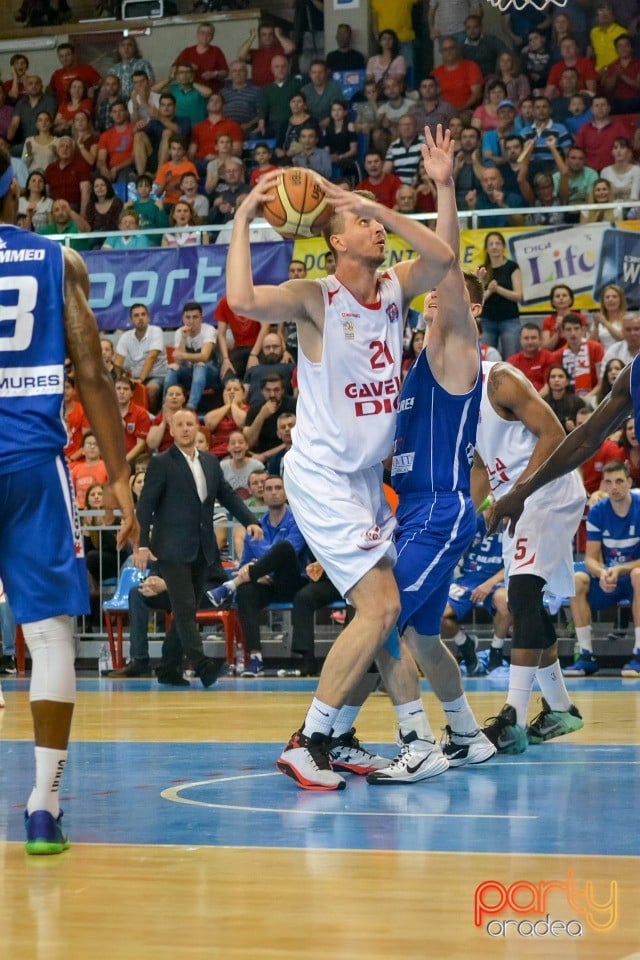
[{"x": 486, "y": 503}]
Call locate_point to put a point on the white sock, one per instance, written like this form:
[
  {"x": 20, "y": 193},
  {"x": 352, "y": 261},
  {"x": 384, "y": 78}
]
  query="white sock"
[
  {"x": 520, "y": 686},
  {"x": 460, "y": 716},
  {"x": 459, "y": 638},
  {"x": 636, "y": 642},
  {"x": 583, "y": 636},
  {"x": 346, "y": 720},
  {"x": 49, "y": 766},
  {"x": 553, "y": 686},
  {"x": 497, "y": 642},
  {"x": 412, "y": 718},
  {"x": 320, "y": 718}
]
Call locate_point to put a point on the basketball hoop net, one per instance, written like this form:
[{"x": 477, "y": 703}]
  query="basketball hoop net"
[{"x": 521, "y": 4}]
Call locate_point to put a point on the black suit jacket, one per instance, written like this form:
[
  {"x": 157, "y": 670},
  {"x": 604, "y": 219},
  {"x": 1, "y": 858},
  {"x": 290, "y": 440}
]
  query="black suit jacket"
[{"x": 170, "y": 503}]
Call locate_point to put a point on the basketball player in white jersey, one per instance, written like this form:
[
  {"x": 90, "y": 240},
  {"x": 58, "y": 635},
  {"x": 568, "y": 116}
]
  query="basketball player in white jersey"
[
  {"x": 516, "y": 433},
  {"x": 349, "y": 362}
]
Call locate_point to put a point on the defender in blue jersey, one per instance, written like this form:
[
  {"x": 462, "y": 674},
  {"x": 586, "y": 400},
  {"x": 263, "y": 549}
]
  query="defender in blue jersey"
[
  {"x": 432, "y": 455},
  {"x": 611, "y": 569},
  {"x": 44, "y": 316}
]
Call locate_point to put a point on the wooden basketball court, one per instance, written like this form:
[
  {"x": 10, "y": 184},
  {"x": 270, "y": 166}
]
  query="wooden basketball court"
[{"x": 186, "y": 842}]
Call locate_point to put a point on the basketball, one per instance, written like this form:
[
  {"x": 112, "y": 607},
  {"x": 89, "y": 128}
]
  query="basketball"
[{"x": 300, "y": 207}]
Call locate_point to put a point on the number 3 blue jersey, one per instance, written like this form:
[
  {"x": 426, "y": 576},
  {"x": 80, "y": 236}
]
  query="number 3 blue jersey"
[{"x": 32, "y": 349}]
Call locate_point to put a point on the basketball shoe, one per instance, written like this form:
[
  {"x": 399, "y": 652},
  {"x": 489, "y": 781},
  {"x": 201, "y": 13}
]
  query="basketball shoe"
[
  {"x": 462, "y": 748},
  {"x": 632, "y": 669},
  {"x": 504, "y": 733},
  {"x": 553, "y": 723},
  {"x": 585, "y": 665},
  {"x": 346, "y": 753},
  {"x": 417, "y": 760},
  {"x": 467, "y": 654},
  {"x": 45, "y": 835},
  {"x": 306, "y": 760}
]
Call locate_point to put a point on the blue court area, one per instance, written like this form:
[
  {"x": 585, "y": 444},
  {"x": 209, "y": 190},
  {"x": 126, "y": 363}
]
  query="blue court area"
[{"x": 554, "y": 799}]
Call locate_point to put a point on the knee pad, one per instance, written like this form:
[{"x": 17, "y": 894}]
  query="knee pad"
[
  {"x": 550, "y": 636},
  {"x": 525, "y": 603},
  {"x": 52, "y": 649}
]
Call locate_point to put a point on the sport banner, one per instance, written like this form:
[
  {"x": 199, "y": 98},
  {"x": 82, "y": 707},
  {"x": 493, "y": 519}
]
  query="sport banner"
[{"x": 164, "y": 279}]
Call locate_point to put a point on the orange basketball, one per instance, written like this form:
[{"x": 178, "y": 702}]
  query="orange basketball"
[{"x": 300, "y": 207}]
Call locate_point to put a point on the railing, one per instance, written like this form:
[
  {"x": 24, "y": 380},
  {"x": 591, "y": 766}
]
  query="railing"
[{"x": 474, "y": 216}]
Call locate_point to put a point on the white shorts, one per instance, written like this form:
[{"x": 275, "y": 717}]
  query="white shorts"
[
  {"x": 543, "y": 541},
  {"x": 344, "y": 517}
]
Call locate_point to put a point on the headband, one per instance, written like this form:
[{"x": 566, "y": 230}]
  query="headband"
[{"x": 6, "y": 180}]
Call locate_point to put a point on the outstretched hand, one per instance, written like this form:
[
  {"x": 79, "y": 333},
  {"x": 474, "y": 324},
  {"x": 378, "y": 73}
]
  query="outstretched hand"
[
  {"x": 509, "y": 508},
  {"x": 437, "y": 155},
  {"x": 346, "y": 201}
]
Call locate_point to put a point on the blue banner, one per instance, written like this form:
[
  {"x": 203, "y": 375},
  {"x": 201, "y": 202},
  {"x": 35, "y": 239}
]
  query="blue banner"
[
  {"x": 620, "y": 263},
  {"x": 166, "y": 278}
]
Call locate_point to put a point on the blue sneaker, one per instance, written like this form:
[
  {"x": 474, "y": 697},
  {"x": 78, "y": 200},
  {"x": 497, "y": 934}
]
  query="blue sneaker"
[
  {"x": 255, "y": 667},
  {"x": 220, "y": 598},
  {"x": 585, "y": 665},
  {"x": 44, "y": 833},
  {"x": 632, "y": 669}
]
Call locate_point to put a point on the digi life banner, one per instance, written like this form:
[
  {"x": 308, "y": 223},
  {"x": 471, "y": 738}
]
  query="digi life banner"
[{"x": 164, "y": 279}]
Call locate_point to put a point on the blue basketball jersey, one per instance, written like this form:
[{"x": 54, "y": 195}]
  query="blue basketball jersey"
[
  {"x": 435, "y": 434},
  {"x": 619, "y": 536},
  {"x": 483, "y": 559},
  {"x": 635, "y": 391},
  {"x": 32, "y": 349}
]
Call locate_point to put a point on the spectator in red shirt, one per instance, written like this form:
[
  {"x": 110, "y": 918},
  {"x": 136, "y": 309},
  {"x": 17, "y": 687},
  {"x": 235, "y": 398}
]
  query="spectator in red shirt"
[
  {"x": 631, "y": 450},
  {"x": 121, "y": 148},
  {"x": 160, "y": 437},
  {"x": 592, "y": 468},
  {"x": 460, "y": 80},
  {"x": 532, "y": 360},
  {"x": 383, "y": 186},
  {"x": 596, "y": 137},
  {"x": 620, "y": 82},
  {"x": 570, "y": 58},
  {"x": 69, "y": 177},
  {"x": 247, "y": 337},
  {"x": 75, "y": 419},
  {"x": 88, "y": 471},
  {"x": 580, "y": 358},
  {"x": 561, "y": 298},
  {"x": 271, "y": 42},
  {"x": 204, "y": 135},
  {"x": 209, "y": 62},
  {"x": 15, "y": 87},
  {"x": 70, "y": 70},
  {"x": 135, "y": 420}
]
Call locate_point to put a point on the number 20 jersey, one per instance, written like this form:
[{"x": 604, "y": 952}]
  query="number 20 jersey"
[
  {"x": 32, "y": 349},
  {"x": 346, "y": 410}
]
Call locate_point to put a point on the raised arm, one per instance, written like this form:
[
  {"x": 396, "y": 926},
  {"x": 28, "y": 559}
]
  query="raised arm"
[
  {"x": 577, "y": 447},
  {"x": 434, "y": 256},
  {"x": 95, "y": 388}
]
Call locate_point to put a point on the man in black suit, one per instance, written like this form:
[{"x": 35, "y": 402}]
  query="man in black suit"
[{"x": 178, "y": 497}]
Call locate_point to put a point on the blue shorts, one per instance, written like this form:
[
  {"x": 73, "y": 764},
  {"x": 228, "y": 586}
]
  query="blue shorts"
[
  {"x": 460, "y": 601},
  {"x": 41, "y": 554},
  {"x": 598, "y": 599},
  {"x": 434, "y": 530}
]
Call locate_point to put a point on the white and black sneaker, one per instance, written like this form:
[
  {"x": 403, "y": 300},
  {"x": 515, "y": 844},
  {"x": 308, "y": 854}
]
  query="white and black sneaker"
[
  {"x": 462, "y": 748},
  {"x": 417, "y": 760},
  {"x": 347, "y": 754}
]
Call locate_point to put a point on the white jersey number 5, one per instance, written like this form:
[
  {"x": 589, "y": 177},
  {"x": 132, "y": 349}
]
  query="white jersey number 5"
[{"x": 18, "y": 320}]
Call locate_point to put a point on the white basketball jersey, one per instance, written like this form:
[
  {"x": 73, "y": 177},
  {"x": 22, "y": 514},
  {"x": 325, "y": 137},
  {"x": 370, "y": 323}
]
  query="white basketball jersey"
[
  {"x": 346, "y": 410},
  {"x": 505, "y": 446}
]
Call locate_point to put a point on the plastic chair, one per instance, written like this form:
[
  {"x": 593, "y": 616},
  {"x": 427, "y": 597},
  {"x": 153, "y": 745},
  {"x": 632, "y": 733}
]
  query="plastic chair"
[{"x": 116, "y": 610}]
